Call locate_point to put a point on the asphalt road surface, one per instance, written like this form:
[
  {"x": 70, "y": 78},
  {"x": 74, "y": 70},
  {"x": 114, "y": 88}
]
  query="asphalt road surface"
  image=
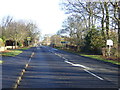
[
  {"x": 53, "y": 68},
  {"x": 12, "y": 67}
]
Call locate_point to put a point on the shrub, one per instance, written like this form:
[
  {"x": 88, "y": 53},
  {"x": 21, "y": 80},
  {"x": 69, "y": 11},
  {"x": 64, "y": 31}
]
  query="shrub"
[{"x": 1, "y": 42}]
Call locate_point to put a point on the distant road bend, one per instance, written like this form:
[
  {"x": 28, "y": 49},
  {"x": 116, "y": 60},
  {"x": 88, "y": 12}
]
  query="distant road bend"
[{"x": 53, "y": 68}]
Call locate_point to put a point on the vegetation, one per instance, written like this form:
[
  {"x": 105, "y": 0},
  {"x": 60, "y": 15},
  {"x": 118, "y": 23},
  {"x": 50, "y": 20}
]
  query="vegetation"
[
  {"x": 99, "y": 57},
  {"x": 11, "y": 53},
  {"x": 90, "y": 25},
  {"x": 18, "y": 31},
  {"x": 25, "y": 48},
  {"x": 1, "y": 42}
]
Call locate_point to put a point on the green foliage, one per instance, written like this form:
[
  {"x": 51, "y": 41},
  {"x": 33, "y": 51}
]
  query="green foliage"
[
  {"x": 94, "y": 40},
  {"x": 12, "y": 53},
  {"x": 1, "y": 42},
  {"x": 24, "y": 48},
  {"x": 98, "y": 57},
  {"x": 20, "y": 44},
  {"x": 3, "y": 38},
  {"x": 18, "y": 31}
]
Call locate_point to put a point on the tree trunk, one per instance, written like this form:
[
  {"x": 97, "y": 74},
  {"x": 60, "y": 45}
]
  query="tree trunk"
[
  {"x": 119, "y": 27},
  {"x": 119, "y": 23},
  {"x": 78, "y": 48},
  {"x": 107, "y": 19},
  {"x": 15, "y": 44},
  {"x": 102, "y": 22}
]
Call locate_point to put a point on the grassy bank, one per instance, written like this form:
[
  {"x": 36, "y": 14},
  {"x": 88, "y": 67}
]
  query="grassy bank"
[
  {"x": 13, "y": 52},
  {"x": 97, "y": 57},
  {"x": 25, "y": 48},
  {"x": 100, "y": 57}
]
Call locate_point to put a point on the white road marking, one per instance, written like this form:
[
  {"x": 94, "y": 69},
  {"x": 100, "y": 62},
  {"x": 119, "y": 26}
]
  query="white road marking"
[
  {"x": 85, "y": 69},
  {"x": 93, "y": 74},
  {"x": 54, "y": 49},
  {"x": 56, "y": 54},
  {"x": 59, "y": 55},
  {"x": 64, "y": 58},
  {"x": 68, "y": 62},
  {"x": 32, "y": 54},
  {"x": 29, "y": 60},
  {"x": 79, "y": 65},
  {"x": 23, "y": 71},
  {"x": 50, "y": 51},
  {"x": 38, "y": 48}
]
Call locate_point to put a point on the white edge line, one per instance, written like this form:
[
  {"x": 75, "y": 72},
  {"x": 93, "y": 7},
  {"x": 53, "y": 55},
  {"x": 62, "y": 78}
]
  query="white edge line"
[
  {"x": 79, "y": 65},
  {"x": 93, "y": 74}
]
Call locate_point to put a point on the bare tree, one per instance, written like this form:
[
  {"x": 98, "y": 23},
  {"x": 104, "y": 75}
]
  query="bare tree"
[{"x": 18, "y": 31}]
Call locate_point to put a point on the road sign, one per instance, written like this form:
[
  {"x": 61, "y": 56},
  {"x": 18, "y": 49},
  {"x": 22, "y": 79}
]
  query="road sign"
[
  {"x": 62, "y": 40},
  {"x": 109, "y": 42},
  {"x": 28, "y": 38}
]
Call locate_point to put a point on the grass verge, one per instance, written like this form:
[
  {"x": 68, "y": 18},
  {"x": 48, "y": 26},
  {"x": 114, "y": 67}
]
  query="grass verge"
[
  {"x": 25, "y": 48},
  {"x": 97, "y": 57},
  {"x": 11, "y": 53}
]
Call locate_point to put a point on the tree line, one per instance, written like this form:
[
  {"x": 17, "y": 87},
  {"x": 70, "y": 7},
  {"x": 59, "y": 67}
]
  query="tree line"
[
  {"x": 18, "y": 31},
  {"x": 90, "y": 24}
]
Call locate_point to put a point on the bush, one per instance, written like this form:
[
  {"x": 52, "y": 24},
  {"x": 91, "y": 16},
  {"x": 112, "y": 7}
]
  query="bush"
[
  {"x": 20, "y": 44},
  {"x": 113, "y": 52},
  {"x": 1, "y": 42},
  {"x": 94, "y": 41}
]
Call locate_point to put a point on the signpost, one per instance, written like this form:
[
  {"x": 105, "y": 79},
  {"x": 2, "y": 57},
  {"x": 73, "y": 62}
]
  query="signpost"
[
  {"x": 110, "y": 44},
  {"x": 28, "y": 39}
]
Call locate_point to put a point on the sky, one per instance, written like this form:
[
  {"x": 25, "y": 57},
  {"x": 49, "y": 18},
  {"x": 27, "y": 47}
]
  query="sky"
[{"x": 45, "y": 13}]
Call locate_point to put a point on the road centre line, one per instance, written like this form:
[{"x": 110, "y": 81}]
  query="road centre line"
[
  {"x": 29, "y": 60},
  {"x": 23, "y": 71}
]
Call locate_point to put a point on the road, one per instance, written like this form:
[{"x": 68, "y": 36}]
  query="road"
[
  {"x": 53, "y": 68},
  {"x": 12, "y": 67}
]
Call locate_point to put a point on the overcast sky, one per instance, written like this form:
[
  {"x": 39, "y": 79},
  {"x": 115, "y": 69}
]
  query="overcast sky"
[{"x": 45, "y": 13}]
